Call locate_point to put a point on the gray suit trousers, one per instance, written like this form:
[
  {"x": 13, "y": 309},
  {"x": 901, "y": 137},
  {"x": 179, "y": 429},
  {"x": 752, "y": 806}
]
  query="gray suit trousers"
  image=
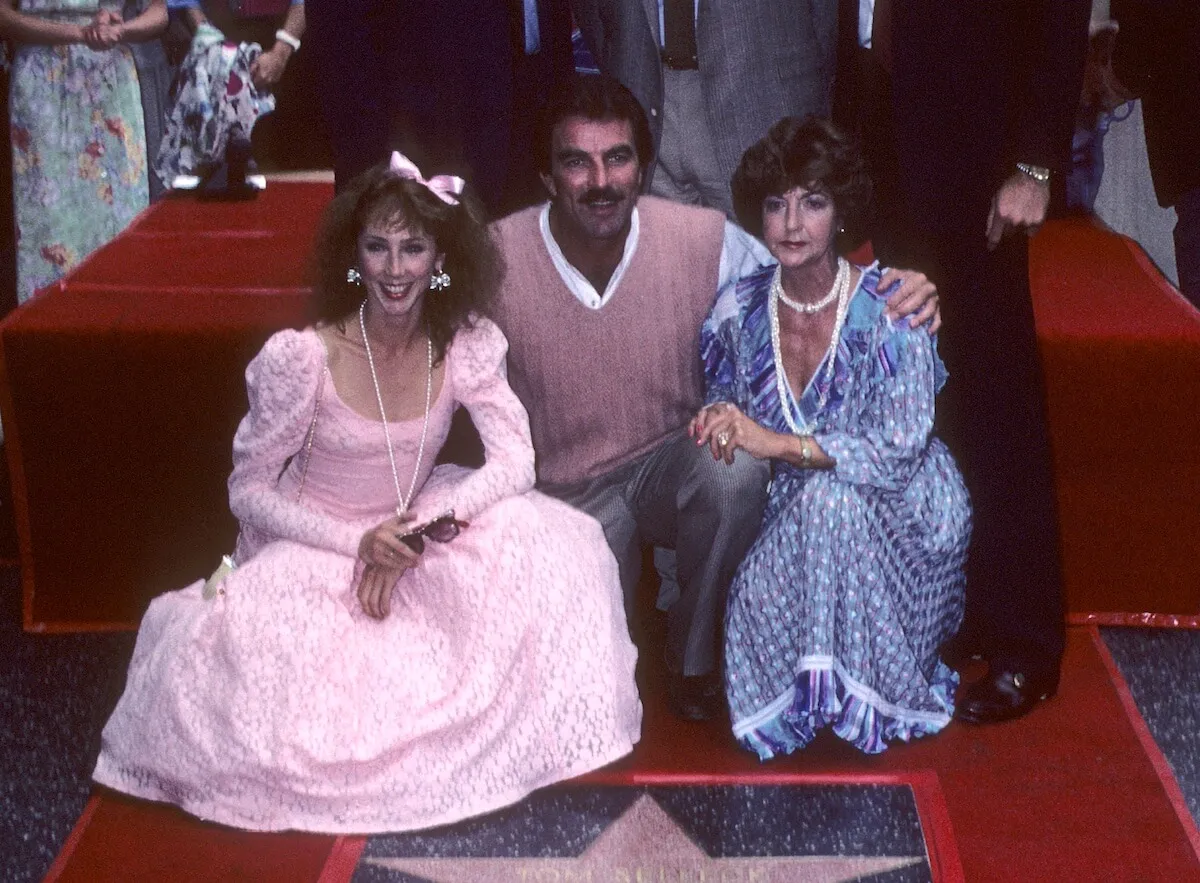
[{"x": 676, "y": 496}]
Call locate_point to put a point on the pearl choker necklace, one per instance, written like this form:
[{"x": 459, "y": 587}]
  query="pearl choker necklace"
[
  {"x": 402, "y": 500},
  {"x": 841, "y": 281},
  {"x": 788, "y": 402}
]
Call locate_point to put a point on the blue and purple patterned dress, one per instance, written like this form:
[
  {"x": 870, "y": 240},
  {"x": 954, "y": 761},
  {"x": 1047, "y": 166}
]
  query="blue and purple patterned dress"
[{"x": 836, "y": 614}]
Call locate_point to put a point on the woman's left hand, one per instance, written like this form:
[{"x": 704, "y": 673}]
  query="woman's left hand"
[
  {"x": 267, "y": 69},
  {"x": 724, "y": 428},
  {"x": 105, "y": 31}
]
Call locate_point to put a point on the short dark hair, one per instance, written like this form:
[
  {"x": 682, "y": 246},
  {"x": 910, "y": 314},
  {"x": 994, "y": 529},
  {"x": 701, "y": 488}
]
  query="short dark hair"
[
  {"x": 459, "y": 231},
  {"x": 593, "y": 97},
  {"x": 810, "y": 153}
]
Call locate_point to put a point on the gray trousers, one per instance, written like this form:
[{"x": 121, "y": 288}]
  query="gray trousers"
[
  {"x": 677, "y": 497},
  {"x": 686, "y": 167}
]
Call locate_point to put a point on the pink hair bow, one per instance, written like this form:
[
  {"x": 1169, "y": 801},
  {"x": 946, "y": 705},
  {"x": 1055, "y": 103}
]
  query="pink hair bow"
[{"x": 447, "y": 188}]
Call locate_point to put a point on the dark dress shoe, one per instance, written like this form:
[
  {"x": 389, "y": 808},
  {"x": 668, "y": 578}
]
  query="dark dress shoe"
[
  {"x": 1003, "y": 695},
  {"x": 695, "y": 698},
  {"x": 961, "y": 650}
]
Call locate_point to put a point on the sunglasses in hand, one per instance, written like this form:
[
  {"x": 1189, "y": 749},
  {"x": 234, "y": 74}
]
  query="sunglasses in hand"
[{"x": 442, "y": 529}]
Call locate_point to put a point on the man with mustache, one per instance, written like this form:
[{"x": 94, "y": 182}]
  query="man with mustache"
[{"x": 602, "y": 305}]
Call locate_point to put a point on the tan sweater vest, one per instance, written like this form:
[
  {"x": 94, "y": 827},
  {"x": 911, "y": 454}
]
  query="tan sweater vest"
[{"x": 604, "y": 386}]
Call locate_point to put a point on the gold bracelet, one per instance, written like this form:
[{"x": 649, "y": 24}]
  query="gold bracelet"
[{"x": 806, "y": 453}]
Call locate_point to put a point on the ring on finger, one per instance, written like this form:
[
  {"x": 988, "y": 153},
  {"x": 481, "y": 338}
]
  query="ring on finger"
[{"x": 722, "y": 438}]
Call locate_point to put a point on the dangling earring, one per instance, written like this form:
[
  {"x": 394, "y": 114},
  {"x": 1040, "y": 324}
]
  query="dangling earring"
[
  {"x": 439, "y": 280},
  {"x": 353, "y": 276}
]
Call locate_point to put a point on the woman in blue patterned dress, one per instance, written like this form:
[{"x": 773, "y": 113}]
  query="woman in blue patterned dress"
[
  {"x": 837, "y": 612},
  {"x": 78, "y": 134}
]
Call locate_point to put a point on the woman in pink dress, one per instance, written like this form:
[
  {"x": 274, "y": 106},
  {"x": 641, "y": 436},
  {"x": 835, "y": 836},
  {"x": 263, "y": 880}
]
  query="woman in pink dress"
[{"x": 351, "y": 674}]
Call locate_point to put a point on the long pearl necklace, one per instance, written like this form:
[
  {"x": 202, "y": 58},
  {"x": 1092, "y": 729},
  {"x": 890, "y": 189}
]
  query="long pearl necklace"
[
  {"x": 840, "y": 281},
  {"x": 402, "y": 500},
  {"x": 787, "y": 400}
]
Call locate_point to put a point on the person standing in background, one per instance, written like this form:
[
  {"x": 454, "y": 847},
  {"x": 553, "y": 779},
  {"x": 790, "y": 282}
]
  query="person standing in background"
[
  {"x": 966, "y": 112},
  {"x": 450, "y": 83},
  {"x": 278, "y": 49},
  {"x": 713, "y": 75},
  {"x": 1158, "y": 58},
  {"x": 154, "y": 83},
  {"x": 78, "y": 134},
  {"x": 226, "y": 81}
]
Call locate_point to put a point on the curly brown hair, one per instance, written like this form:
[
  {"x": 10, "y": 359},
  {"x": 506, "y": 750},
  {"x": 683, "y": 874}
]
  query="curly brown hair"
[
  {"x": 459, "y": 231},
  {"x": 811, "y": 153}
]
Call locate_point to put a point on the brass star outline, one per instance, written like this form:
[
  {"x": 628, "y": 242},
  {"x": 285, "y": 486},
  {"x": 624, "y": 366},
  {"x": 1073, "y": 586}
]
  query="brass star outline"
[{"x": 646, "y": 845}]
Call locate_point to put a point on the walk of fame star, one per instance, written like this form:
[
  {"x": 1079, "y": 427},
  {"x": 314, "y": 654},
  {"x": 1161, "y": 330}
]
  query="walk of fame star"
[{"x": 645, "y": 845}]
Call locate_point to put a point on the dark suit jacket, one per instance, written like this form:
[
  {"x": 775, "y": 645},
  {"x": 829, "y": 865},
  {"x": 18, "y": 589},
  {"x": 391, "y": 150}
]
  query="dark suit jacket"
[
  {"x": 979, "y": 85},
  {"x": 435, "y": 78},
  {"x": 1158, "y": 57}
]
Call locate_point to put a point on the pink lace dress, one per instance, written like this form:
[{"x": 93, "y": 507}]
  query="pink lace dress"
[{"x": 505, "y": 663}]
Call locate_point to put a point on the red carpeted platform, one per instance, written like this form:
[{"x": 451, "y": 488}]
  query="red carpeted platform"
[
  {"x": 1075, "y": 791},
  {"x": 122, "y": 386},
  {"x": 1121, "y": 350}
]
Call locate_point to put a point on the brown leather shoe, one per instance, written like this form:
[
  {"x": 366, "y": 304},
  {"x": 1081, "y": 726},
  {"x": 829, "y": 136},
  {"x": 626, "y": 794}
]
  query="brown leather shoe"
[{"x": 1002, "y": 696}]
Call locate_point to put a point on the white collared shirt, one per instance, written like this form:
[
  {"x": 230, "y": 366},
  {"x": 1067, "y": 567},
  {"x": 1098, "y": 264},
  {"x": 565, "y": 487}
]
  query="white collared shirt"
[{"x": 741, "y": 255}]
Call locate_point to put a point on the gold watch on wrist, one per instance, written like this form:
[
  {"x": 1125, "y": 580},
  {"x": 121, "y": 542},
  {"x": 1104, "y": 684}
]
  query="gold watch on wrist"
[{"x": 1041, "y": 174}]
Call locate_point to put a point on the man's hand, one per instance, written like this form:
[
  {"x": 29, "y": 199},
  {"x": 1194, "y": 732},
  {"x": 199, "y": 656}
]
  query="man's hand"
[
  {"x": 266, "y": 70},
  {"x": 915, "y": 296},
  {"x": 1020, "y": 202}
]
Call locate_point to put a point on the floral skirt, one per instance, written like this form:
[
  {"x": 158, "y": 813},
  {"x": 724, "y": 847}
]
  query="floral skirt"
[
  {"x": 79, "y": 156},
  {"x": 215, "y": 99}
]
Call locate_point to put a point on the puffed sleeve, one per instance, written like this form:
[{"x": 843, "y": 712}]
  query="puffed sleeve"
[
  {"x": 283, "y": 383},
  {"x": 718, "y": 348},
  {"x": 890, "y": 429},
  {"x": 480, "y": 378}
]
